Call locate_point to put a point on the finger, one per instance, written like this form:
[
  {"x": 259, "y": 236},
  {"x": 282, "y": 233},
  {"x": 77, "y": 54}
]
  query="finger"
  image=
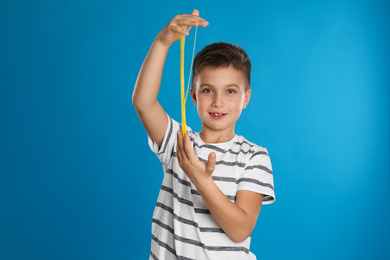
[
  {"x": 195, "y": 12},
  {"x": 210, "y": 164},
  {"x": 201, "y": 21},
  {"x": 188, "y": 22},
  {"x": 178, "y": 29},
  {"x": 178, "y": 150},
  {"x": 189, "y": 152},
  {"x": 179, "y": 145}
]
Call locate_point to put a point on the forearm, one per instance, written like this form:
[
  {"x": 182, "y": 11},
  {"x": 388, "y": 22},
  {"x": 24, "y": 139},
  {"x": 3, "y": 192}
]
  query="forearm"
[
  {"x": 233, "y": 220},
  {"x": 148, "y": 82},
  {"x": 236, "y": 219}
]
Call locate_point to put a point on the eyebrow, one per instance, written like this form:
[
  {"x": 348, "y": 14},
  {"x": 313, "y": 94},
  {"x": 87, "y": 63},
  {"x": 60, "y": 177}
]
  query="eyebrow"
[
  {"x": 227, "y": 86},
  {"x": 205, "y": 85}
]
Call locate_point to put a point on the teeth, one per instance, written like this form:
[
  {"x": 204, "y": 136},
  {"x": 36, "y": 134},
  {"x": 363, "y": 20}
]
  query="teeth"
[{"x": 217, "y": 114}]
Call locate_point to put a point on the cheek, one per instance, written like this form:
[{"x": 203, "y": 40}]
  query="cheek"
[
  {"x": 202, "y": 106},
  {"x": 237, "y": 103},
  {"x": 202, "y": 102}
]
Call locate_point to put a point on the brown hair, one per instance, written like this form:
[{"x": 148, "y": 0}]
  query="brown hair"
[{"x": 221, "y": 54}]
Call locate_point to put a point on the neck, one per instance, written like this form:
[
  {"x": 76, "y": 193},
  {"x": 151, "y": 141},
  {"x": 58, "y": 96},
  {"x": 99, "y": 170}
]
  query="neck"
[{"x": 212, "y": 137}]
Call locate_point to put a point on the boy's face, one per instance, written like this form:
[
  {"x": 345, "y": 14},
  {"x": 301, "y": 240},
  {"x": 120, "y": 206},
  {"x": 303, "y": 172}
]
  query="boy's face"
[{"x": 220, "y": 95}]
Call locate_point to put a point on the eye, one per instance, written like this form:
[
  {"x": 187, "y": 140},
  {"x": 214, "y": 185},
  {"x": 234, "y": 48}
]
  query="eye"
[
  {"x": 231, "y": 91},
  {"x": 206, "y": 90}
]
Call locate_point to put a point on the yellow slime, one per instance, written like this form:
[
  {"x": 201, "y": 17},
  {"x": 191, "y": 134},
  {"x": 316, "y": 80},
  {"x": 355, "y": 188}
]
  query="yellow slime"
[{"x": 184, "y": 96}]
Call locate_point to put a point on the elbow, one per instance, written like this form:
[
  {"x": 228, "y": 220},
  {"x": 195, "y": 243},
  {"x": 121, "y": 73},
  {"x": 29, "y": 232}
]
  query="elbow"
[
  {"x": 239, "y": 237},
  {"x": 241, "y": 232},
  {"x": 134, "y": 100},
  {"x": 137, "y": 98},
  {"x": 141, "y": 103},
  {"x": 137, "y": 103}
]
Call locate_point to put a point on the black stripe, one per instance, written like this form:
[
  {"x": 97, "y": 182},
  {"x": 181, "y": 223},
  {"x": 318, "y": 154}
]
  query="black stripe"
[
  {"x": 181, "y": 200},
  {"x": 189, "y": 241},
  {"x": 228, "y": 248},
  {"x": 259, "y": 153},
  {"x": 165, "y": 207},
  {"x": 235, "y": 163},
  {"x": 241, "y": 151},
  {"x": 184, "y": 221},
  {"x": 256, "y": 182},
  {"x": 199, "y": 244},
  {"x": 184, "y": 258},
  {"x": 187, "y": 183},
  {"x": 167, "y": 247},
  {"x": 242, "y": 165},
  {"x": 211, "y": 147},
  {"x": 245, "y": 142},
  {"x": 268, "y": 198},
  {"x": 211, "y": 248},
  {"x": 181, "y": 181},
  {"x": 217, "y": 149},
  {"x": 202, "y": 211},
  {"x": 184, "y": 182},
  {"x": 178, "y": 218},
  {"x": 167, "y": 137},
  {"x": 213, "y": 230},
  {"x": 195, "y": 192},
  {"x": 228, "y": 179},
  {"x": 239, "y": 164},
  {"x": 232, "y": 198},
  {"x": 164, "y": 245},
  {"x": 236, "y": 143},
  {"x": 153, "y": 256},
  {"x": 158, "y": 222},
  {"x": 261, "y": 167},
  {"x": 225, "y": 179}
]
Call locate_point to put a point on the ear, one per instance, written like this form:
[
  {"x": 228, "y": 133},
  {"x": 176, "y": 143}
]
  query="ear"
[
  {"x": 247, "y": 97},
  {"x": 193, "y": 95}
]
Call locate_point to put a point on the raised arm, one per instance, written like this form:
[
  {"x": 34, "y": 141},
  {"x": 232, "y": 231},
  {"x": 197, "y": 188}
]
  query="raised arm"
[{"x": 147, "y": 86}]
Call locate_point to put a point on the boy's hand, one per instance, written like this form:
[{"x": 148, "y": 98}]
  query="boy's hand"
[
  {"x": 237, "y": 219},
  {"x": 196, "y": 170},
  {"x": 172, "y": 31}
]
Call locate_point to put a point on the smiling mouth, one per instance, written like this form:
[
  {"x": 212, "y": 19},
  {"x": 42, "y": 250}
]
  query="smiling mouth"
[{"x": 217, "y": 115}]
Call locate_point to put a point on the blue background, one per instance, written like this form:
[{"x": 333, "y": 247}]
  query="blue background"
[{"x": 78, "y": 180}]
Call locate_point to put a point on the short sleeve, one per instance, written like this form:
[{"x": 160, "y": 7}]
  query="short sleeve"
[
  {"x": 257, "y": 175},
  {"x": 165, "y": 151}
]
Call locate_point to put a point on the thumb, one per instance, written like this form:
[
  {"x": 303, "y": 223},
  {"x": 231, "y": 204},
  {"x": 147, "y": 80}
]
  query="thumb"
[
  {"x": 210, "y": 164},
  {"x": 195, "y": 12}
]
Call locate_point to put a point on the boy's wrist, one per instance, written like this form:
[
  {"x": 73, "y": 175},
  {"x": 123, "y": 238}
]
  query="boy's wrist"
[
  {"x": 202, "y": 183},
  {"x": 160, "y": 44}
]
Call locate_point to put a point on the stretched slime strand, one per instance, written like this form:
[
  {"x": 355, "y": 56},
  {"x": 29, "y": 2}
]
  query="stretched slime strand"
[
  {"x": 185, "y": 94},
  {"x": 183, "y": 102}
]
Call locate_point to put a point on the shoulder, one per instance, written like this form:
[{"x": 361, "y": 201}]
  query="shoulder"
[
  {"x": 251, "y": 148},
  {"x": 257, "y": 176},
  {"x": 174, "y": 126}
]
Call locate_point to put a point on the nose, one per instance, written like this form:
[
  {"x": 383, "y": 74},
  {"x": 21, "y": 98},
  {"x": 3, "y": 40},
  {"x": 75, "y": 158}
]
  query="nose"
[{"x": 218, "y": 100}]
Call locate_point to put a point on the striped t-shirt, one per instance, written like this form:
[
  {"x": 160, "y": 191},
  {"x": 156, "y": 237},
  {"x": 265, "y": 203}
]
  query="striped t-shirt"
[{"x": 182, "y": 226}]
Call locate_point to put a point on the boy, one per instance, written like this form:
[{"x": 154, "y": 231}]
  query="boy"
[{"x": 214, "y": 181}]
